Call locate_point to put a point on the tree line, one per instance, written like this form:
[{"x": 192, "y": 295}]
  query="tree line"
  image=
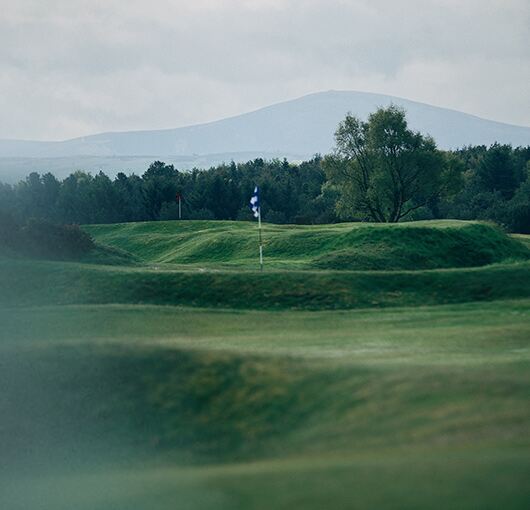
[
  {"x": 380, "y": 170},
  {"x": 290, "y": 194}
]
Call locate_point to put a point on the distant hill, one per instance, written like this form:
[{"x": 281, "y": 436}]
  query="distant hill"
[{"x": 294, "y": 129}]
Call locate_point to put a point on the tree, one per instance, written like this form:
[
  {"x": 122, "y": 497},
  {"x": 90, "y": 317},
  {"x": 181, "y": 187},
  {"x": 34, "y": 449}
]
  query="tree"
[
  {"x": 519, "y": 207},
  {"x": 160, "y": 184},
  {"x": 74, "y": 201},
  {"x": 496, "y": 171},
  {"x": 382, "y": 169}
]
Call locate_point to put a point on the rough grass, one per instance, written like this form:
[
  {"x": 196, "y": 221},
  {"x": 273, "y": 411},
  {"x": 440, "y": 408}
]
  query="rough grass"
[{"x": 360, "y": 246}]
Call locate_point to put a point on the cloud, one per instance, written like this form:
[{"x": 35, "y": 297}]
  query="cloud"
[{"x": 76, "y": 67}]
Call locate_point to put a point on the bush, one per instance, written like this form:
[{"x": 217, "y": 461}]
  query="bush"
[
  {"x": 45, "y": 239},
  {"x": 42, "y": 239}
]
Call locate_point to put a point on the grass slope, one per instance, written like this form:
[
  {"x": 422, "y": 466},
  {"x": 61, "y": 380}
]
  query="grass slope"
[
  {"x": 353, "y": 246},
  {"x": 133, "y": 407},
  {"x": 36, "y": 283},
  {"x": 216, "y": 267},
  {"x": 111, "y": 398}
]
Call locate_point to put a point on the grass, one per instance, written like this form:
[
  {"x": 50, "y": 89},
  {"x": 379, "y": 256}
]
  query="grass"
[
  {"x": 200, "y": 407},
  {"x": 419, "y": 480},
  {"x": 42, "y": 282},
  {"x": 164, "y": 371},
  {"x": 351, "y": 246},
  {"x": 212, "y": 264}
]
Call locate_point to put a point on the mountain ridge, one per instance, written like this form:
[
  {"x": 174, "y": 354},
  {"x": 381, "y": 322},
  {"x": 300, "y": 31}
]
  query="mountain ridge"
[{"x": 296, "y": 129}]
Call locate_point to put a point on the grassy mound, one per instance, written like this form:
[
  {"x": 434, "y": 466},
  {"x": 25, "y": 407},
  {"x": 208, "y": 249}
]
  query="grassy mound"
[
  {"x": 163, "y": 385},
  {"x": 38, "y": 282},
  {"x": 207, "y": 406},
  {"x": 424, "y": 248},
  {"x": 418, "y": 245},
  {"x": 109, "y": 255},
  {"x": 134, "y": 407},
  {"x": 306, "y": 267}
]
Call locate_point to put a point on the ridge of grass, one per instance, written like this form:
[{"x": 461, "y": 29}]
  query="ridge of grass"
[
  {"x": 351, "y": 246},
  {"x": 26, "y": 282},
  {"x": 137, "y": 263},
  {"x": 230, "y": 402},
  {"x": 135, "y": 407}
]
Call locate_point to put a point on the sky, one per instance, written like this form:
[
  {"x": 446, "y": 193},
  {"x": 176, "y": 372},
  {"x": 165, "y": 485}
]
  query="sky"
[{"x": 75, "y": 67}]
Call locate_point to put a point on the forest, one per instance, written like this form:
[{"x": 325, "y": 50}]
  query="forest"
[{"x": 489, "y": 183}]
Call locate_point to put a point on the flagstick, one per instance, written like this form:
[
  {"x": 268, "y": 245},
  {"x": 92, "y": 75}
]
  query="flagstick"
[{"x": 260, "y": 242}]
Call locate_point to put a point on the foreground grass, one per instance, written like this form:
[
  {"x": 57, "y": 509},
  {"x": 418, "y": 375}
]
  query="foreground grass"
[
  {"x": 133, "y": 407},
  {"x": 402, "y": 479},
  {"x": 433, "y": 334}
]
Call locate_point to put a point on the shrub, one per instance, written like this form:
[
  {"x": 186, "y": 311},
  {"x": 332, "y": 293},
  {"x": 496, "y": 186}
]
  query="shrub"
[
  {"x": 42, "y": 239},
  {"x": 45, "y": 239}
]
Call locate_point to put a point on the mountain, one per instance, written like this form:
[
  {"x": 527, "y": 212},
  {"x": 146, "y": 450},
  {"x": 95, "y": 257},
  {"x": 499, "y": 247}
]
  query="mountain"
[{"x": 294, "y": 129}]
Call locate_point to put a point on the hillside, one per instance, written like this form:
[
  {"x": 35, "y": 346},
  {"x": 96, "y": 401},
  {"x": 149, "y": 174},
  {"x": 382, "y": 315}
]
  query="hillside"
[
  {"x": 295, "y": 129},
  {"x": 347, "y": 246},
  {"x": 204, "y": 263},
  {"x": 135, "y": 407},
  {"x": 165, "y": 370}
]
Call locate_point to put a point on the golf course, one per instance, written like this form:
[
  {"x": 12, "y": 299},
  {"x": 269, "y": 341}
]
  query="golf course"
[{"x": 367, "y": 366}]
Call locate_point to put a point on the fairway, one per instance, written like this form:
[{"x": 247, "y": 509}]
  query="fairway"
[{"x": 139, "y": 383}]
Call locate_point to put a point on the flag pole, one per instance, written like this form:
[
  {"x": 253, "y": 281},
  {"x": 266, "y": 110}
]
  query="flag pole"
[
  {"x": 260, "y": 240},
  {"x": 255, "y": 206}
]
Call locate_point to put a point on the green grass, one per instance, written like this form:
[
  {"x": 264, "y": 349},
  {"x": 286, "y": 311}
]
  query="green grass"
[
  {"x": 208, "y": 263},
  {"x": 38, "y": 282},
  {"x": 165, "y": 406},
  {"x": 522, "y": 238},
  {"x": 213, "y": 264},
  {"x": 369, "y": 366},
  {"x": 352, "y": 246}
]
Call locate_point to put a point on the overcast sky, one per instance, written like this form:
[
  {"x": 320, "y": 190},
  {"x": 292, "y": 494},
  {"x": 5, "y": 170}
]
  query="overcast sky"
[{"x": 75, "y": 67}]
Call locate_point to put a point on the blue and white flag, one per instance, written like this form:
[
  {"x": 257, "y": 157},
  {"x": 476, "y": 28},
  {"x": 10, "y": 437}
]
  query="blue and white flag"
[{"x": 254, "y": 202}]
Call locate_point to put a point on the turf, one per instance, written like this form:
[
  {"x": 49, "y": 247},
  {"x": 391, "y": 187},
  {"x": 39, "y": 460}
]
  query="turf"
[
  {"x": 128, "y": 406},
  {"x": 213, "y": 264},
  {"x": 366, "y": 367},
  {"x": 350, "y": 246},
  {"x": 41, "y": 282}
]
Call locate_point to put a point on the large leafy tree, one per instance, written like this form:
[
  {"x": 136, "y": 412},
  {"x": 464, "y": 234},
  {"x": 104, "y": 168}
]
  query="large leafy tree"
[{"x": 384, "y": 170}]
